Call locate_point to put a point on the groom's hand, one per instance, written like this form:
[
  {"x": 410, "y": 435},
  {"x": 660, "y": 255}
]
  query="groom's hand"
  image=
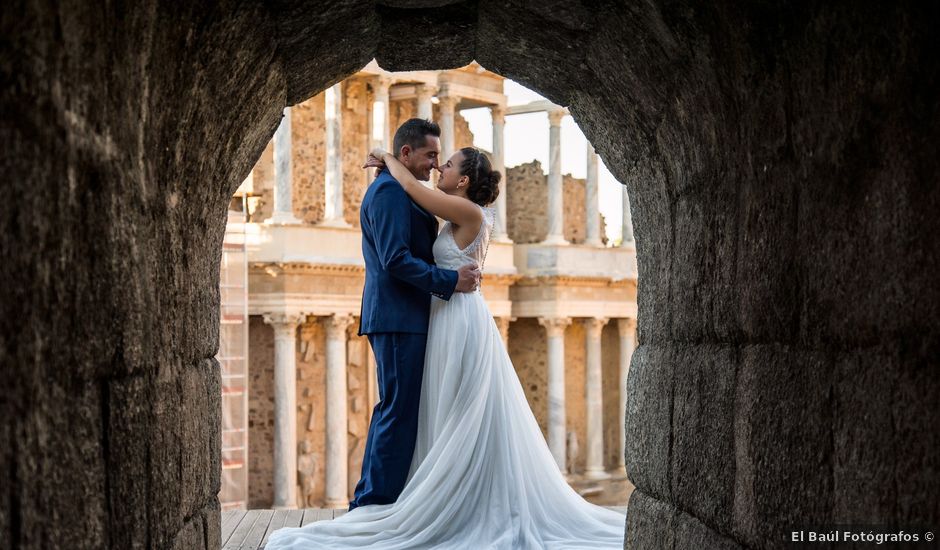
[{"x": 468, "y": 278}]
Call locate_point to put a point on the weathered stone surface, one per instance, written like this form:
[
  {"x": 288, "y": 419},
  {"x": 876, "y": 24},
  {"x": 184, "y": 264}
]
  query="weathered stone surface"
[{"x": 796, "y": 143}]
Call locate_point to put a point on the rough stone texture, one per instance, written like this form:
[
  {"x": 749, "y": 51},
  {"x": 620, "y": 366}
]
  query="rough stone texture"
[
  {"x": 782, "y": 161},
  {"x": 527, "y": 205}
]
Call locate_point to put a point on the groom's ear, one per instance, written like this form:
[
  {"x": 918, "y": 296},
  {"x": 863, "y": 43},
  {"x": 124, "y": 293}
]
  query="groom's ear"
[{"x": 404, "y": 153}]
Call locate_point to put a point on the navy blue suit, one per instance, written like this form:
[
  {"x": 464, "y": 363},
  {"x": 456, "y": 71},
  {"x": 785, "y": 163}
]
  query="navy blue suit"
[{"x": 397, "y": 236}]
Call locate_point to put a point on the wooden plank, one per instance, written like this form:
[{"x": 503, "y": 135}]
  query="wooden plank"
[
  {"x": 294, "y": 518},
  {"x": 337, "y": 512},
  {"x": 256, "y": 534},
  {"x": 241, "y": 531},
  {"x": 230, "y": 520},
  {"x": 316, "y": 514},
  {"x": 277, "y": 521}
]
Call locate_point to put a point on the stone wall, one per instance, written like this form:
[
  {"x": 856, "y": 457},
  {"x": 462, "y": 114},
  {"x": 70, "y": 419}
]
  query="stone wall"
[
  {"x": 527, "y": 205},
  {"x": 260, "y": 413}
]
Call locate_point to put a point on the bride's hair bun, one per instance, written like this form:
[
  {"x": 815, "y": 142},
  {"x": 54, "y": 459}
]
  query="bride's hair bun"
[{"x": 484, "y": 181}]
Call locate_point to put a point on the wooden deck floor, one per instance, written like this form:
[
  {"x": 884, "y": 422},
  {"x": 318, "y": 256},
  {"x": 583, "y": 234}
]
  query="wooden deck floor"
[{"x": 249, "y": 530}]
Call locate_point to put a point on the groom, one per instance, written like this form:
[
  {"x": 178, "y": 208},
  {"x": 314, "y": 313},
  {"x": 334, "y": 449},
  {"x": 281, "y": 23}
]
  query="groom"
[{"x": 397, "y": 235}]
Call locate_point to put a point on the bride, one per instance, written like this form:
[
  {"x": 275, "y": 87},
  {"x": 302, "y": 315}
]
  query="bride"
[{"x": 482, "y": 475}]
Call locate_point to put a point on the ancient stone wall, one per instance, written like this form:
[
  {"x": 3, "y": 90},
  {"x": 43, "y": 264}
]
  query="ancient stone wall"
[{"x": 527, "y": 205}]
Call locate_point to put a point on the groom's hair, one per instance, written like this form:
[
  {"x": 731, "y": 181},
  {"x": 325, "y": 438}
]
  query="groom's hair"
[{"x": 414, "y": 132}]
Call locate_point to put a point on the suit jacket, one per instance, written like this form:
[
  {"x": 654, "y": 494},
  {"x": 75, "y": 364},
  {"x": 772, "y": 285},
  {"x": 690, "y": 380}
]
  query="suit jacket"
[{"x": 397, "y": 236}]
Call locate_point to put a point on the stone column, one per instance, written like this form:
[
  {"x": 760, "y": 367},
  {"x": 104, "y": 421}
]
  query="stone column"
[
  {"x": 337, "y": 465},
  {"x": 283, "y": 179},
  {"x": 285, "y": 407},
  {"x": 626, "y": 221},
  {"x": 503, "y": 324},
  {"x": 333, "y": 211},
  {"x": 594, "y": 395},
  {"x": 380, "y": 114},
  {"x": 593, "y": 217},
  {"x": 627, "y": 329},
  {"x": 424, "y": 93},
  {"x": 498, "y": 114},
  {"x": 448, "y": 107},
  {"x": 556, "y": 211},
  {"x": 557, "y": 427}
]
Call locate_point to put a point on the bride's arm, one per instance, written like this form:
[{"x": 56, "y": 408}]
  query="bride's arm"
[{"x": 457, "y": 210}]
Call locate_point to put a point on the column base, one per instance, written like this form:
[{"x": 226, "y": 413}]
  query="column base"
[
  {"x": 631, "y": 244},
  {"x": 596, "y": 475},
  {"x": 336, "y": 504},
  {"x": 594, "y": 242},
  {"x": 555, "y": 240},
  {"x": 503, "y": 239},
  {"x": 337, "y": 223},
  {"x": 282, "y": 218},
  {"x": 618, "y": 473}
]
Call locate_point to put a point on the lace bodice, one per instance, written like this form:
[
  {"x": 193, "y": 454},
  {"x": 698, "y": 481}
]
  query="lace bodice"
[{"x": 449, "y": 256}]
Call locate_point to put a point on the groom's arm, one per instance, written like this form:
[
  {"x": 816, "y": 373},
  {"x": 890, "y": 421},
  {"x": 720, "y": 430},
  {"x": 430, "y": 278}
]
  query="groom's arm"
[{"x": 391, "y": 217}]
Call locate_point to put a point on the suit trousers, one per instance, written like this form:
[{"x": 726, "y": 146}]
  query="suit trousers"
[{"x": 399, "y": 360}]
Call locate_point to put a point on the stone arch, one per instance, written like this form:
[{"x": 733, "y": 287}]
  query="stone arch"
[{"x": 775, "y": 153}]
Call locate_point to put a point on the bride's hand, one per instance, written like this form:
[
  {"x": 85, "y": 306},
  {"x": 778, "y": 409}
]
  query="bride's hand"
[
  {"x": 378, "y": 153},
  {"x": 374, "y": 162}
]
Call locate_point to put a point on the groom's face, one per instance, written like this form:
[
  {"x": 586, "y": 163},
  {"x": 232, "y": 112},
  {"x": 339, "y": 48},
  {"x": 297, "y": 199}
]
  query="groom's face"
[{"x": 422, "y": 160}]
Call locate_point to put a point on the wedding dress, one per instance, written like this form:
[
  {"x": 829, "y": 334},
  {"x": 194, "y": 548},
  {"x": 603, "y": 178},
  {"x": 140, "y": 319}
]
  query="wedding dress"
[{"x": 482, "y": 476}]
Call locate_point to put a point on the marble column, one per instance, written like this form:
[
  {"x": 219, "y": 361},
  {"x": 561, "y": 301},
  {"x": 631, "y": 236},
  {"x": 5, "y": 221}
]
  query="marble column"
[
  {"x": 424, "y": 93},
  {"x": 556, "y": 211},
  {"x": 594, "y": 397},
  {"x": 503, "y": 324},
  {"x": 557, "y": 423},
  {"x": 627, "y": 330},
  {"x": 285, "y": 407},
  {"x": 380, "y": 114},
  {"x": 333, "y": 211},
  {"x": 498, "y": 114},
  {"x": 337, "y": 465},
  {"x": 626, "y": 221},
  {"x": 592, "y": 212},
  {"x": 283, "y": 179},
  {"x": 448, "y": 106}
]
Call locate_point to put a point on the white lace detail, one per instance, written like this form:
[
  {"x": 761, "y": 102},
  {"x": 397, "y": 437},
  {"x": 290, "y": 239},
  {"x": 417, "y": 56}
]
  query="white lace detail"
[{"x": 449, "y": 255}]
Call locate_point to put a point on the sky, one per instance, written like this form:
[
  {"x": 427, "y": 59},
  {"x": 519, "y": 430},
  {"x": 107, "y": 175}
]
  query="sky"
[{"x": 526, "y": 138}]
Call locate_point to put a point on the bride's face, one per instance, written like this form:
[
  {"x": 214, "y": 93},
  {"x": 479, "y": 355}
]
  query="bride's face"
[{"x": 451, "y": 182}]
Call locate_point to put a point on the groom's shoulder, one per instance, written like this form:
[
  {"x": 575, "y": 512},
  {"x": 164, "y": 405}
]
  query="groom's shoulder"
[{"x": 386, "y": 186}]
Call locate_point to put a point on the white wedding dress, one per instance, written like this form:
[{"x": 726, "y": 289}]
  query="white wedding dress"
[{"x": 482, "y": 476}]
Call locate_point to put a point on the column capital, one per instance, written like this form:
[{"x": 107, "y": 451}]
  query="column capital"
[
  {"x": 555, "y": 116},
  {"x": 336, "y": 326},
  {"x": 448, "y": 102},
  {"x": 555, "y": 325},
  {"x": 283, "y": 320},
  {"x": 424, "y": 91},
  {"x": 626, "y": 326},
  {"x": 498, "y": 114},
  {"x": 381, "y": 84},
  {"x": 594, "y": 326}
]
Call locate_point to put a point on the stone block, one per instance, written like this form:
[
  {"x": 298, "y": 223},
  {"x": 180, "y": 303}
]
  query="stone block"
[
  {"x": 864, "y": 488},
  {"x": 649, "y": 420},
  {"x": 783, "y": 442},
  {"x": 651, "y": 522},
  {"x": 703, "y": 462}
]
